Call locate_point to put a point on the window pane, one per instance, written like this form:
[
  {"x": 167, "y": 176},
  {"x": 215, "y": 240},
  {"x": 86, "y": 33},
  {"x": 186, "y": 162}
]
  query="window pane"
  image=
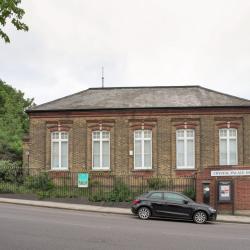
[
  {"x": 232, "y": 132},
  {"x": 190, "y": 153},
  {"x": 138, "y": 147},
  {"x": 96, "y": 135},
  {"x": 174, "y": 198},
  {"x": 147, "y": 147},
  {"x": 147, "y": 134},
  {"x": 64, "y": 154},
  {"x": 55, "y": 135},
  {"x": 190, "y": 133},
  {"x": 138, "y": 153},
  {"x": 55, "y": 154},
  {"x": 105, "y": 154},
  {"x": 64, "y": 135},
  {"x": 223, "y": 151},
  {"x": 180, "y": 153},
  {"x": 147, "y": 161},
  {"x": 105, "y": 135},
  {"x": 233, "y": 152},
  {"x": 156, "y": 196},
  {"x": 147, "y": 154},
  {"x": 223, "y": 132},
  {"x": 96, "y": 154},
  {"x": 180, "y": 133},
  {"x": 138, "y": 134},
  {"x": 138, "y": 161}
]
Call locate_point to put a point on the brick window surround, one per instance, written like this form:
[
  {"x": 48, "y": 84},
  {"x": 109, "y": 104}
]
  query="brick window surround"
[
  {"x": 227, "y": 123},
  {"x": 141, "y": 124},
  {"x": 58, "y": 126},
  {"x": 185, "y": 123},
  {"x": 100, "y": 125}
]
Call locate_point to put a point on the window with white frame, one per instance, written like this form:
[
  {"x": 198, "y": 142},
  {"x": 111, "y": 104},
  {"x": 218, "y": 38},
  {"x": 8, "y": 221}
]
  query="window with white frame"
[
  {"x": 185, "y": 149},
  {"x": 228, "y": 146},
  {"x": 142, "y": 149},
  {"x": 59, "y": 150},
  {"x": 101, "y": 150}
]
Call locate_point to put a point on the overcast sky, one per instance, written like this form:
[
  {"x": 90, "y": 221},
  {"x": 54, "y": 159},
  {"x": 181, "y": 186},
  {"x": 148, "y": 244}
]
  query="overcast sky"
[{"x": 139, "y": 42}]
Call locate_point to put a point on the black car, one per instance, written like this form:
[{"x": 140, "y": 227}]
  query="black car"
[{"x": 171, "y": 205}]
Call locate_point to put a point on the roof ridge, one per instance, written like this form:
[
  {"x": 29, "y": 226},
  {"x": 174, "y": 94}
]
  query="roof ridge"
[{"x": 149, "y": 87}]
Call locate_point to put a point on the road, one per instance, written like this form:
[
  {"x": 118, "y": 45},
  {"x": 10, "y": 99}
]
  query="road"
[{"x": 31, "y": 228}]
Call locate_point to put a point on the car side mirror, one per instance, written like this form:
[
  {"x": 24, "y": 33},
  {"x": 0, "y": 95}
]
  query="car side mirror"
[{"x": 185, "y": 201}]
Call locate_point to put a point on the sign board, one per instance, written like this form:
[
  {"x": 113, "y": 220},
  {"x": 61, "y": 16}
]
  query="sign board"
[
  {"x": 232, "y": 172},
  {"x": 225, "y": 191},
  {"x": 83, "y": 180}
]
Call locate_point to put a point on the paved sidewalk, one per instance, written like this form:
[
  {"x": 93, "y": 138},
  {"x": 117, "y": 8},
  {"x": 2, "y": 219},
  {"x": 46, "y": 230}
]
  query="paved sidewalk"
[{"x": 113, "y": 210}]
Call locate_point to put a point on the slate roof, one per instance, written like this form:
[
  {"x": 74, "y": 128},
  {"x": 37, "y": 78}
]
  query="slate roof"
[{"x": 143, "y": 97}]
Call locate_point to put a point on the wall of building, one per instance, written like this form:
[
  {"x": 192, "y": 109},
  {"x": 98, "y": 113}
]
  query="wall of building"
[{"x": 121, "y": 126}]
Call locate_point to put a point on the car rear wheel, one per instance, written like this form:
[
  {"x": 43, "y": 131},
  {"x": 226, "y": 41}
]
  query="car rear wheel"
[
  {"x": 200, "y": 217},
  {"x": 144, "y": 213}
]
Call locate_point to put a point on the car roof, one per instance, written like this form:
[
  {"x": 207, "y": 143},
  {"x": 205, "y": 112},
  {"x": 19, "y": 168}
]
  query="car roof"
[{"x": 163, "y": 191}]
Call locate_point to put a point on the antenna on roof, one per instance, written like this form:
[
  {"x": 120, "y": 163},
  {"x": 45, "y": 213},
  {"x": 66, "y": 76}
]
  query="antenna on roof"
[{"x": 102, "y": 77}]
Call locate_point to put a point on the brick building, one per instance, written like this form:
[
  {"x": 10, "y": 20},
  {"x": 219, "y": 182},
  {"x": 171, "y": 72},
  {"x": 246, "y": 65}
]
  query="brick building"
[
  {"x": 173, "y": 131},
  {"x": 161, "y": 130}
]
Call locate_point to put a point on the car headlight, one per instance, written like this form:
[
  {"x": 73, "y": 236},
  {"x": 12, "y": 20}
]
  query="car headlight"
[{"x": 211, "y": 210}]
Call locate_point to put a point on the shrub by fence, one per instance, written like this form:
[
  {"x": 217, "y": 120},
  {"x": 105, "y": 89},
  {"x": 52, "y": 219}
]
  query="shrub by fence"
[{"x": 102, "y": 187}]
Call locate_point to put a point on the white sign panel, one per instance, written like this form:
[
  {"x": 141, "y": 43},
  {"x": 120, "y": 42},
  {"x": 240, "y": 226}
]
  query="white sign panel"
[{"x": 230, "y": 172}]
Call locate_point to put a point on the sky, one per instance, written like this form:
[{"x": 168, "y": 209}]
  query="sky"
[{"x": 139, "y": 43}]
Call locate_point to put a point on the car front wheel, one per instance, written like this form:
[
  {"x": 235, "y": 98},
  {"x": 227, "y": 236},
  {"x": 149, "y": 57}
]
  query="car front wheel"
[
  {"x": 200, "y": 217},
  {"x": 144, "y": 213}
]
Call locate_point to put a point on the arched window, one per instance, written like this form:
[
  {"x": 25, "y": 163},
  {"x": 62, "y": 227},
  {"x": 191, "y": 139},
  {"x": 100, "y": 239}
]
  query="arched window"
[
  {"x": 59, "y": 150},
  {"x": 185, "y": 148},
  {"x": 228, "y": 146},
  {"x": 142, "y": 149},
  {"x": 101, "y": 150}
]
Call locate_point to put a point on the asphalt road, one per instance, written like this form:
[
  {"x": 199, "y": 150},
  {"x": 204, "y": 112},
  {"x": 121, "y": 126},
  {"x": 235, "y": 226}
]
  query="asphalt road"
[{"x": 23, "y": 227}]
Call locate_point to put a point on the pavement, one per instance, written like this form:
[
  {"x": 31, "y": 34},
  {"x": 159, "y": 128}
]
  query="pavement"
[{"x": 111, "y": 210}]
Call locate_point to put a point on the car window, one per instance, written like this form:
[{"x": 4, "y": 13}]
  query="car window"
[
  {"x": 174, "y": 198},
  {"x": 156, "y": 196}
]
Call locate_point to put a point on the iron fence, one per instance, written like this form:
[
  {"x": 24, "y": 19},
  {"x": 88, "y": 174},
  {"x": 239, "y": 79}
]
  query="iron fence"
[{"x": 101, "y": 187}]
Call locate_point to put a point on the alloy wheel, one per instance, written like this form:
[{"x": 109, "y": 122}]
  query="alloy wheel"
[
  {"x": 200, "y": 217},
  {"x": 144, "y": 213}
]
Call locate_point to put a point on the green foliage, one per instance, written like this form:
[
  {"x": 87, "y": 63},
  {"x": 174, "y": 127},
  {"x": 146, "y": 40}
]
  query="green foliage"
[
  {"x": 120, "y": 192},
  {"x": 43, "y": 195},
  {"x": 156, "y": 183},
  {"x": 190, "y": 192},
  {"x": 98, "y": 196},
  {"x": 9, "y": 11},
  {"x": 13, "y": 121},
  {"x": 41, "y": 182},
  {"x": 10, "y": 171}
]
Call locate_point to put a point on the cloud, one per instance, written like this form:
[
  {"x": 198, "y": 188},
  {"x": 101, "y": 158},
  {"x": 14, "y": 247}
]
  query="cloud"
[{"x": 139, "y": 42}]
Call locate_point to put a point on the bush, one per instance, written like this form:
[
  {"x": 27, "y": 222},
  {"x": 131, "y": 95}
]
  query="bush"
[
  {"x": 120, "y": 192},
  {"x": 11, "y": 172},
  {"x": 41, "y": 182},
  {"x": 190, "y": 192},
  {"x": 156, "y": 183}
]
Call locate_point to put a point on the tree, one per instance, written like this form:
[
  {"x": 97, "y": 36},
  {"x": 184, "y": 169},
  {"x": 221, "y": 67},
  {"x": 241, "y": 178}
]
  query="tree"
[
  {"x": 13, "y": 121},
  {"x": 9, "y": 10}
]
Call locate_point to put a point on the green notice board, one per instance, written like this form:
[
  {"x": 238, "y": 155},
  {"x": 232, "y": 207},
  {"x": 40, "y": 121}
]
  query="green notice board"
[{"x": 83, "y": 180}]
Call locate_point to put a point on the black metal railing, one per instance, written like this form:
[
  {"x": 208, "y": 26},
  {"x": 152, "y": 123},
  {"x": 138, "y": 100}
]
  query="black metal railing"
[{"x": 101, "y": 187}]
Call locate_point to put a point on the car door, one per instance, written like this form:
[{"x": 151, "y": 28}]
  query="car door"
[
  {"x": 176, "y": 206},
  {"x": 157, "y": 203}
]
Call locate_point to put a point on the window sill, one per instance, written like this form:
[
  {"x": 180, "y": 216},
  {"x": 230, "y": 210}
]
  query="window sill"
[
  {"x": 181, "y": 169},
  {"x": 59, "y": 170},
  {"x": 100, "y": 170},
  {"x": 143, "y": 169}
]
